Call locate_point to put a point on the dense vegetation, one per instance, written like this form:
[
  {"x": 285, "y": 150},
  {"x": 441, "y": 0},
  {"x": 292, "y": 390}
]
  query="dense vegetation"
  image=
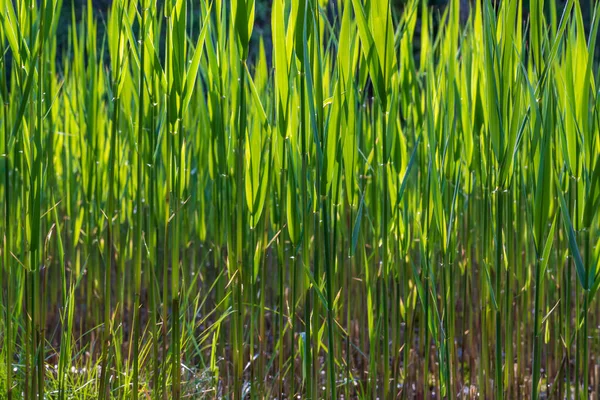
[{"x": 343, "y": 219}]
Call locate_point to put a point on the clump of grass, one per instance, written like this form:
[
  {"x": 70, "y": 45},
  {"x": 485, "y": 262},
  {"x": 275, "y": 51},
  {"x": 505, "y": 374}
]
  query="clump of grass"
[{"x": 185, "y": 216}]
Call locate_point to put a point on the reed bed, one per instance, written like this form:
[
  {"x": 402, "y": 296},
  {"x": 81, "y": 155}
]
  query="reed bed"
[{"x": 188, "y": 212}]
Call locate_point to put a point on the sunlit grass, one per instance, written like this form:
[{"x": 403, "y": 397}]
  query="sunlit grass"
[{"x": 332, "y": 214}]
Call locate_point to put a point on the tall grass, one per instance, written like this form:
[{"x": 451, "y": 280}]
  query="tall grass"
[{"x": 359, "y": 207}]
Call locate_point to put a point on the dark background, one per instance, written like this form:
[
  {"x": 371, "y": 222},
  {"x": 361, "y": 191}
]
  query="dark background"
[{"x": 262, "y": 18}]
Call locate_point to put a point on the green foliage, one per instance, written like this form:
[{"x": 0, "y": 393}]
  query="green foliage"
[
  {"x": 183, "y": 215},
  {"x": 3, "y": 388}
]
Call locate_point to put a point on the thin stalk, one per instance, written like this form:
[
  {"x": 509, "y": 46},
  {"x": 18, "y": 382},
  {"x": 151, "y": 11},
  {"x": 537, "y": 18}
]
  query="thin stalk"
[
  {"x": 537, "y": 343},
  {"x": 168, "y": 207},
  {"x": 499, "y": 249},
  {"x": 281, "y": 261},
  {"x": 6, "y": 232},
  {"x": 305, "y": 236},
  {"x": 384, "y": 255},
  {"x": 139, "y": 210},
  {"x": 241, "y": 136}
]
